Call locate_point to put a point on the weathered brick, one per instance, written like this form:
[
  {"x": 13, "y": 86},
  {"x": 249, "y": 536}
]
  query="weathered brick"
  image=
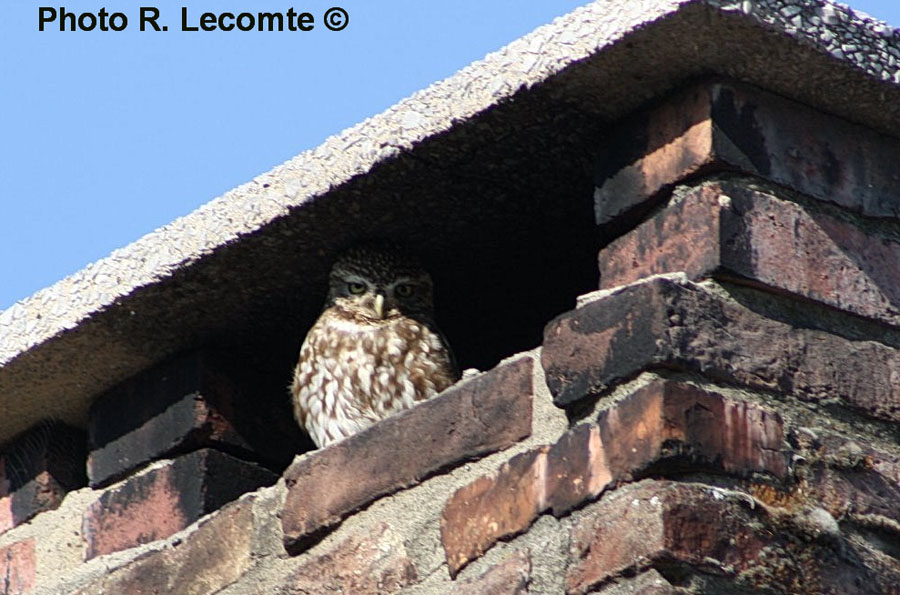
[
  {"x": 493, "y": 507},
  {"x": 646, "y": 583},
  {"x": 510, "y": 577},
  {"x": 37, "y": 469},
  {"x": 167, "y": 499},
  {"x": 483, "y": 415},
  {"x": 735, "y": 127},
  {"x": 855, "y": 483},
  {"x": 183, "y": 404},
  {"x": 729, "y": 229},
  {"x": 686, "y": 424},
  {"x": 673, "y": 323},
  {"x": 576, "y": 469},
  {"x": 363, "y": 564},
  {"x": 207, "y": 560},
  {"x": 17, "y": 568},
  {"x": 680, "y": 425},
  {"x": 642, "y": 524},
  {"x": 856, "y": 494},
  {"x": 716, "y": 533},
  {"x": 881, "y": 575}
]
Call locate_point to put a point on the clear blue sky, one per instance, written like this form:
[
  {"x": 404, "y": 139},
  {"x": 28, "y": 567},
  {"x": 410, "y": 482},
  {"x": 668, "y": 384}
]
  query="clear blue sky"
[{"x": 105, "y": 136}]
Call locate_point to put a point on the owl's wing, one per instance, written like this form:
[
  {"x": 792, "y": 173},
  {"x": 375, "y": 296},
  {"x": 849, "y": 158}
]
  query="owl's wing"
[{"x": 454, "y": 366}]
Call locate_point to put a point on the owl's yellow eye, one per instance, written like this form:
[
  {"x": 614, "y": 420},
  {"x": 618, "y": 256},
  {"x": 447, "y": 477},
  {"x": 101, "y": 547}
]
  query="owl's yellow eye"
[
  {"x": 356, "y": 288},
  {"x": 403, "y": 290}
]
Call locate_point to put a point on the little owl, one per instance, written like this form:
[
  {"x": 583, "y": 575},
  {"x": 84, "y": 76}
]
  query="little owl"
[{"x": 374, "y": 350}]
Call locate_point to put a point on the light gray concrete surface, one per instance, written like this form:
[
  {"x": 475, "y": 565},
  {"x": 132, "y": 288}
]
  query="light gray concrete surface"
[{"x": 460, "y": 168}]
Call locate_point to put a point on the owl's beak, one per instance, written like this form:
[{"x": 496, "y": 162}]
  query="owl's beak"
[{"x": 379, "y": 305}]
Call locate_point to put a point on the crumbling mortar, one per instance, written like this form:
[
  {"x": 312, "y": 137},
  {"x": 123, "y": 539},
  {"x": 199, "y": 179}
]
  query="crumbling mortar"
[
  {"x": 588, "y": 408},
  {"x": 434, "y": 582},
  {"x": 268, "y": 536}
]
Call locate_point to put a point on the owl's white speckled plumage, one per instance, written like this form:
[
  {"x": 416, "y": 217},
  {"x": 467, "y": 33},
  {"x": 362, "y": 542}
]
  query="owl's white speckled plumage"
[{"x": 374, "y": 350}]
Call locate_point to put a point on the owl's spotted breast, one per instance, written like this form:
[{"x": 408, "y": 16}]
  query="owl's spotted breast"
[{"x": 352, "y": 374}]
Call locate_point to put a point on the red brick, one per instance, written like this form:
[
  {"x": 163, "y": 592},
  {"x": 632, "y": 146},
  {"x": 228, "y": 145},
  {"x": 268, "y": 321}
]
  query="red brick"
[
  {"x": 735, "y": 127},
  {"x": 666, "y": 322},
  {"x": 639, "y": 525},
  {"x": 17, "y": 568},
  {"x": 728, "y": 229},
  {"x": 183, "y": 404},
  {"x": 665, "y": 423},
  {"x": 694, "y": 528},
  {"x": 363, "y": 564},
  {"x": 492, "y": 508},
  {"x": 483, "y": 415},
  {"x": 37, "y": 469},
  {"x": 691, "y": 426},
  {"x": 167, "y": 499},
  {"x": 510, "y": 577},
  {"x": 651, "y": 151},
  {"x": 576, "y": 470},
  {"x": 209, "y": 559}
]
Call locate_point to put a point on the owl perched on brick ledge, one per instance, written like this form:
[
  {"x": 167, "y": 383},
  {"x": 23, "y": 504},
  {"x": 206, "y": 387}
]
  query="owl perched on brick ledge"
[{"x": 374, "y": 350}]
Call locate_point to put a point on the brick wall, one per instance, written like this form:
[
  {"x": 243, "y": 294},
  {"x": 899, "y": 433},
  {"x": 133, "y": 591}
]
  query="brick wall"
[{"x": 720, "y": 416}]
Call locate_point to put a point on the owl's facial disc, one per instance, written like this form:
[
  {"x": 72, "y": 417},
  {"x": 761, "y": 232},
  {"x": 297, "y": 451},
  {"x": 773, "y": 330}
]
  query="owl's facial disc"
[{"x": 380, "y": 285}]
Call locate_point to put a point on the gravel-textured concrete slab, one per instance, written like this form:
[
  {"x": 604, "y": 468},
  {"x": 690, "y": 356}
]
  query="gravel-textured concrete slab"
[{"x": 487, "y": 174}]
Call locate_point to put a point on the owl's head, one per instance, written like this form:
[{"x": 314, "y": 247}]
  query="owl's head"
[{"x": 380, "y": 282}]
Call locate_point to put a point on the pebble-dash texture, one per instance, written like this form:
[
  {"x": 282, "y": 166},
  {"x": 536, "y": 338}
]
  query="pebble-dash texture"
[
  {"x": 510, "y": 577},
  {"x": 176, "y": 287}
]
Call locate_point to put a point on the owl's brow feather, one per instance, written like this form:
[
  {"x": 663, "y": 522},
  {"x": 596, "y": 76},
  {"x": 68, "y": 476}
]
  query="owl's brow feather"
[
  {"x": 420, "y": 278},
  {"x": 379, "y": 266}
]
